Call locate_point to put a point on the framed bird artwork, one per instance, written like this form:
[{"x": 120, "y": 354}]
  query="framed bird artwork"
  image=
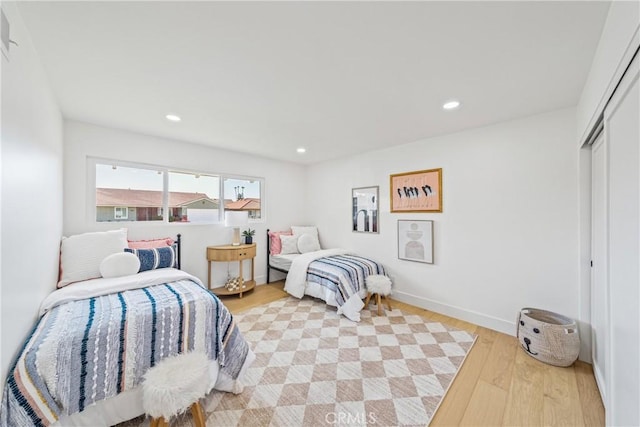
[{"x": 419, "y": 191}]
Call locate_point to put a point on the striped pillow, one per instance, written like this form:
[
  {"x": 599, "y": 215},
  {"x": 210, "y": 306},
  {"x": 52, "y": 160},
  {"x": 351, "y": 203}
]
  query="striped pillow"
[{"x": 152, "y": 259}]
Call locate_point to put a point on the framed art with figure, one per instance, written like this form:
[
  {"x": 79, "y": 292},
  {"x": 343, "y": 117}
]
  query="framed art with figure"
[
  {"x": 419, "y": 191},
  {"x": 415, "y": 240},
  {"x": 364, "y": 214}
]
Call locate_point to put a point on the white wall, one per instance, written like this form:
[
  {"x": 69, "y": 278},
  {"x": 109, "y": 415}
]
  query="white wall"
[
  {"x": 619, "y": 41},
  {"x": 508, "y": 234},
  {"x": 31, "y": 189},
  {"x": 284, "y": 186}
]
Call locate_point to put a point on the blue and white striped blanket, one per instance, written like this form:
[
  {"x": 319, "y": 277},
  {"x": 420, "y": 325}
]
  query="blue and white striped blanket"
[
  {"x": 87, "y": 350},
  {"x": 338, "y": 272}
]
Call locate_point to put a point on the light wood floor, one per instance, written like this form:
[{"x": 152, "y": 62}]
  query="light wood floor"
[{"x": 498, "y": 384}]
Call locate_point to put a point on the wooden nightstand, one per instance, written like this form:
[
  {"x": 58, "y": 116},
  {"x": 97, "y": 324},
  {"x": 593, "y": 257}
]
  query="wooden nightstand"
[{"x": 232, "y": 253}]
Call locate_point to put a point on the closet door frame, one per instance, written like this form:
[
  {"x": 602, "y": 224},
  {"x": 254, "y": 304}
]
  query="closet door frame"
[{"x": 599, "y": 264}]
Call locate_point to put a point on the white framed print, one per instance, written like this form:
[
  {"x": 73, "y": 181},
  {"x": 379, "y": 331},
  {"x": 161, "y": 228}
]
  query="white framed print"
[
  {"x": 364, "y": 214},
  {"x": 415, "y": 240}
]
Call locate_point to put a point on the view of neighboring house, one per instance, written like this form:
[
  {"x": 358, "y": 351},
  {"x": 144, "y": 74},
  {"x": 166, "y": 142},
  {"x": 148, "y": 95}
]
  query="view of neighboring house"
[
  {"x": 116, "y": 204},
  {"x": 244, "y": 204}
]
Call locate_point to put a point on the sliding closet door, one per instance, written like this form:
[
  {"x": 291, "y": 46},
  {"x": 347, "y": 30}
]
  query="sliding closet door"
[
  {"x": 599, "y": 260},
  {"x": 622, "y": 135}
]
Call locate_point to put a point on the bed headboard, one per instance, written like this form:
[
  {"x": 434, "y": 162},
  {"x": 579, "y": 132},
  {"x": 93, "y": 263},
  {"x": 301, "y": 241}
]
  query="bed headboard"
[
  {"x": 269, "y": 266},
  {"x": 178, "y": 244},
  {"x": 268, "y": 245}
]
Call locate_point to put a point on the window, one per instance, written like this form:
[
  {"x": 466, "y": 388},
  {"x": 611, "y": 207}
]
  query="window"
[
  {"x": 131, "y": 192},
  {"x": 243, "y": 195},
  {"x": 128, "y": 193},
  {"x": 193, "y": 197},
  {"x": 120, "y": 212}
]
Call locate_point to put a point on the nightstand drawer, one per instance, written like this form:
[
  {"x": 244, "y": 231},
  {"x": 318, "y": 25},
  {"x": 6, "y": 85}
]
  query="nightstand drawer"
[
  {"x": 222, "y": 255},
  {"x": 246, "y": 253},
  {"x": 231, "y": 253}
]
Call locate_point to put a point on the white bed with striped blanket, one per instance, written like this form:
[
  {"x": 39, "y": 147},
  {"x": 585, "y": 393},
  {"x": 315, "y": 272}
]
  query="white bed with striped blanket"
[
  {"x": 334, "y": 276},
  {"x": 84, "y": 362}
]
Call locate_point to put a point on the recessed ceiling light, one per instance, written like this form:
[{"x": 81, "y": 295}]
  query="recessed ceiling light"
[
  {"x": 173, "y": 118},
  {"x": 451, "y": 105},
  {"x": 301, "y": 150}
]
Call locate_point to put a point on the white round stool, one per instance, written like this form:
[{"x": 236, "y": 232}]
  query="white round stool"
[
  {"x": 174, "y": 385},
  {"x": 378, "y": 285}
]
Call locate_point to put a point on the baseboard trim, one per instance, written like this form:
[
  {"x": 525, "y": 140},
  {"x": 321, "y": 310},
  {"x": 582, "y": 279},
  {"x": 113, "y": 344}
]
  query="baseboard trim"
[
  {"x": 491, "y": 322},
  {"x": 597, "y": 373}
]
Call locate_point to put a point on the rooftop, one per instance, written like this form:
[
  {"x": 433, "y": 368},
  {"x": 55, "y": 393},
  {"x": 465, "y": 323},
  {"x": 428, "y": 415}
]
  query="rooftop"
[{"x": 145, "y": 198}]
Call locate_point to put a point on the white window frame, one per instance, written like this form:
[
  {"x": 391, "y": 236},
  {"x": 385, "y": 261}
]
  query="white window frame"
[
  {"x": 262, "y": 218},
  {"x": 92, "y": 163},
  {"x": 124, "y": 212}
]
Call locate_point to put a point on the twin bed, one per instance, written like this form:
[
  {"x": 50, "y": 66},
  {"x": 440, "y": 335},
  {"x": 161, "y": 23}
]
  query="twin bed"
[
  {"x": 332, "y": 275},
  {"x": 123, "y": 306},
  {"x": 85, "y": 359}
]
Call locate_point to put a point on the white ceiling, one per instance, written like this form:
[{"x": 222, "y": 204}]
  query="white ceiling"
[{"x": 338, "y": 78}]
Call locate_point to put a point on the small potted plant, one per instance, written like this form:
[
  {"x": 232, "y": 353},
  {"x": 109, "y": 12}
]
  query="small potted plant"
[{"x": 248, "y": 236}]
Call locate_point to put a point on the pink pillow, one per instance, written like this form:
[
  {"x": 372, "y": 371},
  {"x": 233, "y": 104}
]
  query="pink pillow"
[
  {"x": 275, "y": 244},
  {"x": 150, "y": 244}
]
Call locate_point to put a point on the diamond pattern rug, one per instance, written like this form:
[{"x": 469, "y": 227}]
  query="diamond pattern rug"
[{"x": 314, "y": 367}]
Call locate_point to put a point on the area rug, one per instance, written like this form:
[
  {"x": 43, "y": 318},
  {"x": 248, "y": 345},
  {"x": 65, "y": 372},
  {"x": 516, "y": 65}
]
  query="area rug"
[{"x": 314, "y": 367}]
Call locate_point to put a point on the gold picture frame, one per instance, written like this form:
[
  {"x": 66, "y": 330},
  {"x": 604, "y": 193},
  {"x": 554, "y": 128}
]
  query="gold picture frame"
[{"x": 418, "y": 191}]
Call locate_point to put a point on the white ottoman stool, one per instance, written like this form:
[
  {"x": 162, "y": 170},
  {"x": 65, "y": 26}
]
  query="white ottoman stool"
[
  {"x": 174, "y": 385},
  {"x": 378, "y": 285}
]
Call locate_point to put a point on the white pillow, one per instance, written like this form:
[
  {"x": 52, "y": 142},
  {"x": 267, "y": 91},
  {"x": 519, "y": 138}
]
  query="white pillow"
[
  {"x": 289, "y": 245},
  {"x": 120, "y": 264},
  {"x": 300, "y": 230},
  {"x": 81, "y": 255},
  {"x": 308, "y": 243}
]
